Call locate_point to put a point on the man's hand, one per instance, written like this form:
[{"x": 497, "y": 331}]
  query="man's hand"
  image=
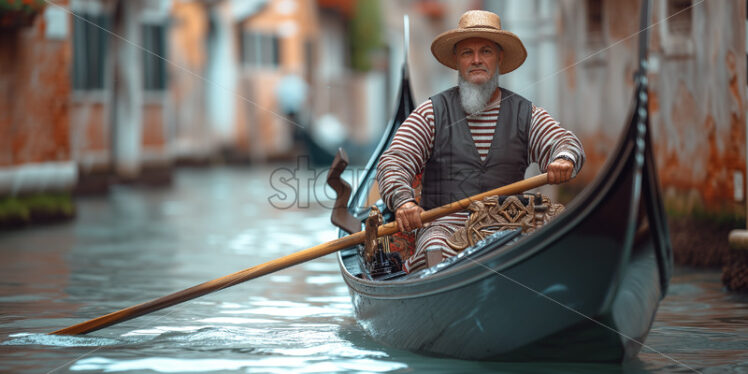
[
  {"x": 408, "y": 217},
  {"x": 560, "y": 170}
]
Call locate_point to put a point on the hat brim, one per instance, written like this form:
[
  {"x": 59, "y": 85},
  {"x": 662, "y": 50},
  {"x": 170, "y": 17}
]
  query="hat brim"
[{"x": 514, "y": 51}]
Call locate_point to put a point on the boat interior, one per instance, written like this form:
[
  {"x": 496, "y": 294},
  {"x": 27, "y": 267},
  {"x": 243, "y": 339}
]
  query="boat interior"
[{"x": 385, "y": 262}]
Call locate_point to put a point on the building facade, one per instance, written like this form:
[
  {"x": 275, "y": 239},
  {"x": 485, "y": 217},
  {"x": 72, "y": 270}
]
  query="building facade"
[{"x": 36, "y": 154}]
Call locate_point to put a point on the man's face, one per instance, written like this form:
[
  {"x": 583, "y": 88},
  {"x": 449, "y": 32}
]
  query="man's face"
[{"x": 478, "y": 59}]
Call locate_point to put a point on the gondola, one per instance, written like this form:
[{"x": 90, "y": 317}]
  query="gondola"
[{"x": 583, "y": 288}]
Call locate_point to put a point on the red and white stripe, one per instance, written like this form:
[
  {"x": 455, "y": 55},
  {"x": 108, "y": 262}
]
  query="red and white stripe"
[{"x": 482, "y": 126}]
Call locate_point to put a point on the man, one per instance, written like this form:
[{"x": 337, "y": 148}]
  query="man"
[{"x": 470, "y": 138}]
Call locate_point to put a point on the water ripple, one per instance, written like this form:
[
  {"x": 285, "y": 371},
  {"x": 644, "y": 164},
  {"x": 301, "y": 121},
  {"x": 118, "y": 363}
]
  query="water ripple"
[
  {"x": 237, "y": 320},
  {"x": 58, "y": 340}
]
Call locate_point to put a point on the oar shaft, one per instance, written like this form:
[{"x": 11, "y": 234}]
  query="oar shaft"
[
  {"x": 284, "y": 262},
  {"x": 213, "y": 285}
]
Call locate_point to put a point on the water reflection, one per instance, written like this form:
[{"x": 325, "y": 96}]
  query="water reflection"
[{"x": 138, "y": 244}]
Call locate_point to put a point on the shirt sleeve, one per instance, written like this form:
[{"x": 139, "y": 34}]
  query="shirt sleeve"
[
  {"x": 548, "y": 141},
  {"x": 406, "y": 157}
]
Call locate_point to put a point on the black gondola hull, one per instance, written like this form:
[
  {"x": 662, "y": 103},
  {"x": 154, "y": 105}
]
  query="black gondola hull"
[
  {"x": 495, "y": 319},
  {"x": 583, "y": 288}
]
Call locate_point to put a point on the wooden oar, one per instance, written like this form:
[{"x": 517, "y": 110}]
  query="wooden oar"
[{"x": 286, "y": 261}]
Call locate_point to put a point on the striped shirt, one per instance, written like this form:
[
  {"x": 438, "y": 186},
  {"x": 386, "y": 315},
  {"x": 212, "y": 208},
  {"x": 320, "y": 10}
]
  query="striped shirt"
[
  {"x": 412, "y": 146},
  {"x": 414, "y": 141}
]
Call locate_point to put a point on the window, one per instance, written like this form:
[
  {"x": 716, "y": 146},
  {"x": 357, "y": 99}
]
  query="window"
[
  {"x": 679, "y": 16},
  {"x": 90, "y": 43},
  {"x": 594, "y": 16},
  {"x": 154, "y": 65},
  {"x": 676, "y": 30},
  {"x": 260, "y": 50},
  {"x": 309, "y": 60},
  {"x": 595, "y": 22}
]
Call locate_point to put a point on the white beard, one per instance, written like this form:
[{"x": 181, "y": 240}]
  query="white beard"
[{"x": 474, "y": 97}]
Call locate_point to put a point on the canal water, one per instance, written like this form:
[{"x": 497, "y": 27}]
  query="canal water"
[{"x": 137, "y": 244}]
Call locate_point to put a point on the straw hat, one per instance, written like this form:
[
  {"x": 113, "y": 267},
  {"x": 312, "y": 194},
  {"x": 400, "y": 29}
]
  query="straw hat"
[{"x": 480, "y": 24}]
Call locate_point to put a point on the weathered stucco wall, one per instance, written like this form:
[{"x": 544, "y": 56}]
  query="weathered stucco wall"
[
  {"x": 262, "y": 129},
  {"x": 34, "y": 94},
  {"x": 697, "y": 88}
]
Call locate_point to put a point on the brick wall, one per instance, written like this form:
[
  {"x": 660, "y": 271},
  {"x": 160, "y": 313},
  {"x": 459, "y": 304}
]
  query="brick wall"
[{"x": 34, "y": 95}]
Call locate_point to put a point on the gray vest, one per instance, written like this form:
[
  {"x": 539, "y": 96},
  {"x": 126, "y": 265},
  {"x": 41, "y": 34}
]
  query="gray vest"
[{"x": 455, "y": 170}]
